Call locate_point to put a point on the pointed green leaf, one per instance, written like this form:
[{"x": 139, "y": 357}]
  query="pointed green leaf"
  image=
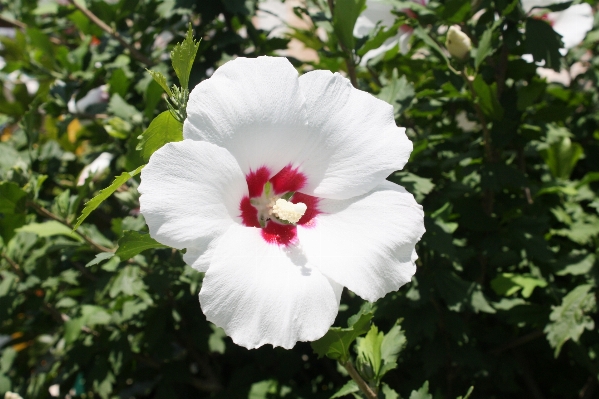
[
  {"x": 572, "y": 317},
  {"x": 344, "y": 18},
  {"x": 48, "y": 229},
  {"x": 486, "y": 96},
  {"x": 92, "y": 204},
  {"x": 422, "y": 393},
  {"x": 183, "y": 56},
  {"x": 12, "y": 198},
  {"x": 336, "y": 342},
  {"x": 484, "y": 47},
  {"x": 163, "y": 129},
  {"x": 349, "y": 387},
  {"x": 161, "y": 80},
  {"x": 135, "y": 242},
  {"x": 543, "y": 43}
]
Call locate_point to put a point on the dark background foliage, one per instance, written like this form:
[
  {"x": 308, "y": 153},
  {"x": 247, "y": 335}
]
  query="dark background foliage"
[{"x": 504, "y": 298}]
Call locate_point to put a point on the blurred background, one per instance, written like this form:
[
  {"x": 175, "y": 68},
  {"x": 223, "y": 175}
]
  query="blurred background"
[{"x": 505, "y": 164}]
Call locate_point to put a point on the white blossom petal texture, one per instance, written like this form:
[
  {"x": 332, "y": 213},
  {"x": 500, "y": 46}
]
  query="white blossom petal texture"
[
  {"x": 265, "y": 294},
  {"x": 360, "y": 144},
  {"x": 190, "y": 190},
  {"x": 253, "y": 108},
  {"x": 367, "y": 243}
]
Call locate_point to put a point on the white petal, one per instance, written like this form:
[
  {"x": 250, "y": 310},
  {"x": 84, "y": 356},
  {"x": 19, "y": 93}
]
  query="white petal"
[
  {"x": 573, "y": 23},
  {"x": 359, "y": 143},
  {"x": 374, "y": 13},
  {"x": 254, "y": 109},
  {"x": 190, "y": 190},
  {"x": 200, "y": 253},
  {"x": 366, "y": 243},
  {"x": 261, "y": 293}
]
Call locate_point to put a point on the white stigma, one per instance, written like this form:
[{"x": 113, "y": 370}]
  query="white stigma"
[{"x": 289, "y": 211}]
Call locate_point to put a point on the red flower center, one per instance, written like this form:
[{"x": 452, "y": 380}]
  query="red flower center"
[{"x": 287, "y": 180}]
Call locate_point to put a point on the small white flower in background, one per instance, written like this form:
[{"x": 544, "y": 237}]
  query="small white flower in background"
[
  {"x": 94, "y": 96},
  {"x": 572, "y": 24},
  {"x": 380, "y": 12},
  {"x": 95, "y": 168},
  {"x": 12, "y": 395},
  {"x": 54, "y": 390},
  {"x": 458, "y": 43},
  {"x": 278, "y": 193}
]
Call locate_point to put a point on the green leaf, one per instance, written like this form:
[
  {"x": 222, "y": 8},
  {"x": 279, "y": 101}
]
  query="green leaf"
[
  {"x": 486, "y": 96},
  {"x": 344, "y": 18},
  {"x": 163, "y": 129},
  {"x": 349, "y": 388},
  {"x": 379, "y": 37},
  {"x": 389, "y": 393},
  {"x": 183, "y": 56},
  {"x": 122, "y": 109},
  {"x": 336, "y": 342},
  {"x": 424, "y": 36},
  {"x": 507, "y": 284},
  {"x": 470, "y": 390},
  {"x": 422, "y": 393},
  {"x": 543, "y": 43},
  {"x": 571, "y": 318},
  {"x": 161, "y": 80},
  {"x": 456, "y": 11},
  {"x": 135, "y": 242},
  {"x": 92, "y": 204},
  {"x": 484, "y": 47},
  {"x": 369, "y": 353},
  {"x": 562, "y": 156},
  {"x": 398, "y": 92},
  {"x": 101, "y": 257},
  {"x": 216, "y": 340},
  {"x": 48, "y": 229},
  {"x": 393, "y": 343},
  {"x": 12, "y": 198}
]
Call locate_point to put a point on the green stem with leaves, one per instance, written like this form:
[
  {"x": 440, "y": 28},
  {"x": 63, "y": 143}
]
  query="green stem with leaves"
[{"x": 364, "y": 387}]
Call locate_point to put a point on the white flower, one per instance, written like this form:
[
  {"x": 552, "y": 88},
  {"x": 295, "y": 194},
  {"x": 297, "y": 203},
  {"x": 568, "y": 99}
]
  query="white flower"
[
  {"x": 458, "y": 43},
  {"x": 572, "y": 24},
  {"x": 255, "y": 133},
  {"x": 98, "y": 165},
  {"x": 12, "y": 395},
  {"x": 379, "y": 12}
]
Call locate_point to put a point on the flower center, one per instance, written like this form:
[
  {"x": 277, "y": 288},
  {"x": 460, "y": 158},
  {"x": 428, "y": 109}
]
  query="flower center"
[
  {"x": 277, "y": 208},
  {"x": 275, "y": 204}
]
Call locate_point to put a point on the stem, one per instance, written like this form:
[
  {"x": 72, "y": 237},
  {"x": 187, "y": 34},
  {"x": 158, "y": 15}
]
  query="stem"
[
  {"x": 14, "y": 265},
  {"x": 364, "y": 387},
  {"x": 132, "y": 50},
  {"x": 46, "y": 213},
  {"x": 349, "y": 55}
]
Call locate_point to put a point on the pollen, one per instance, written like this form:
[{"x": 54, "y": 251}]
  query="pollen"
[{"x": 289, "y": 211}]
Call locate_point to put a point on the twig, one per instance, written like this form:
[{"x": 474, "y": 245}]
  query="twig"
[
  {"x": 102, "y": 25},
  {"x": 364, "y": 387},
  {"x": 46, "y": 213},
  {"x": 15, "y": 266},
  {"x": 349, "y": 56},
  {"x": 5, "y": 22}
]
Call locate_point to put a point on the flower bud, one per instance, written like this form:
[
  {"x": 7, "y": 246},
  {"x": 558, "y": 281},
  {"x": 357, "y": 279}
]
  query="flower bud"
[{"x": 458, "y": 43}]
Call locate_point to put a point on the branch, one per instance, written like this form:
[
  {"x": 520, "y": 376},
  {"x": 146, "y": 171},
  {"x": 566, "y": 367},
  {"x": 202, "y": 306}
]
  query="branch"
[
  {"x": 364, "y": 387},
  {"x": 15, "y": 266},
  {"x": 349, "y": 55},
  {"x": 102, "y": 25},
  {"x": 46, "y": 213}
]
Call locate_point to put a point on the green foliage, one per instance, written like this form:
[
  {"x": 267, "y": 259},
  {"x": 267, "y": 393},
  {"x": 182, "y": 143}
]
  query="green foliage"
[
  {"x": 163, "y": 129},
  {"x": 337, "y": 341},
  {"x": 345, "y": 14},
  {"x": 133, "y": 243},
  {"x": 183, "y": 56},
  {"x": 104, "y": 194}
]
